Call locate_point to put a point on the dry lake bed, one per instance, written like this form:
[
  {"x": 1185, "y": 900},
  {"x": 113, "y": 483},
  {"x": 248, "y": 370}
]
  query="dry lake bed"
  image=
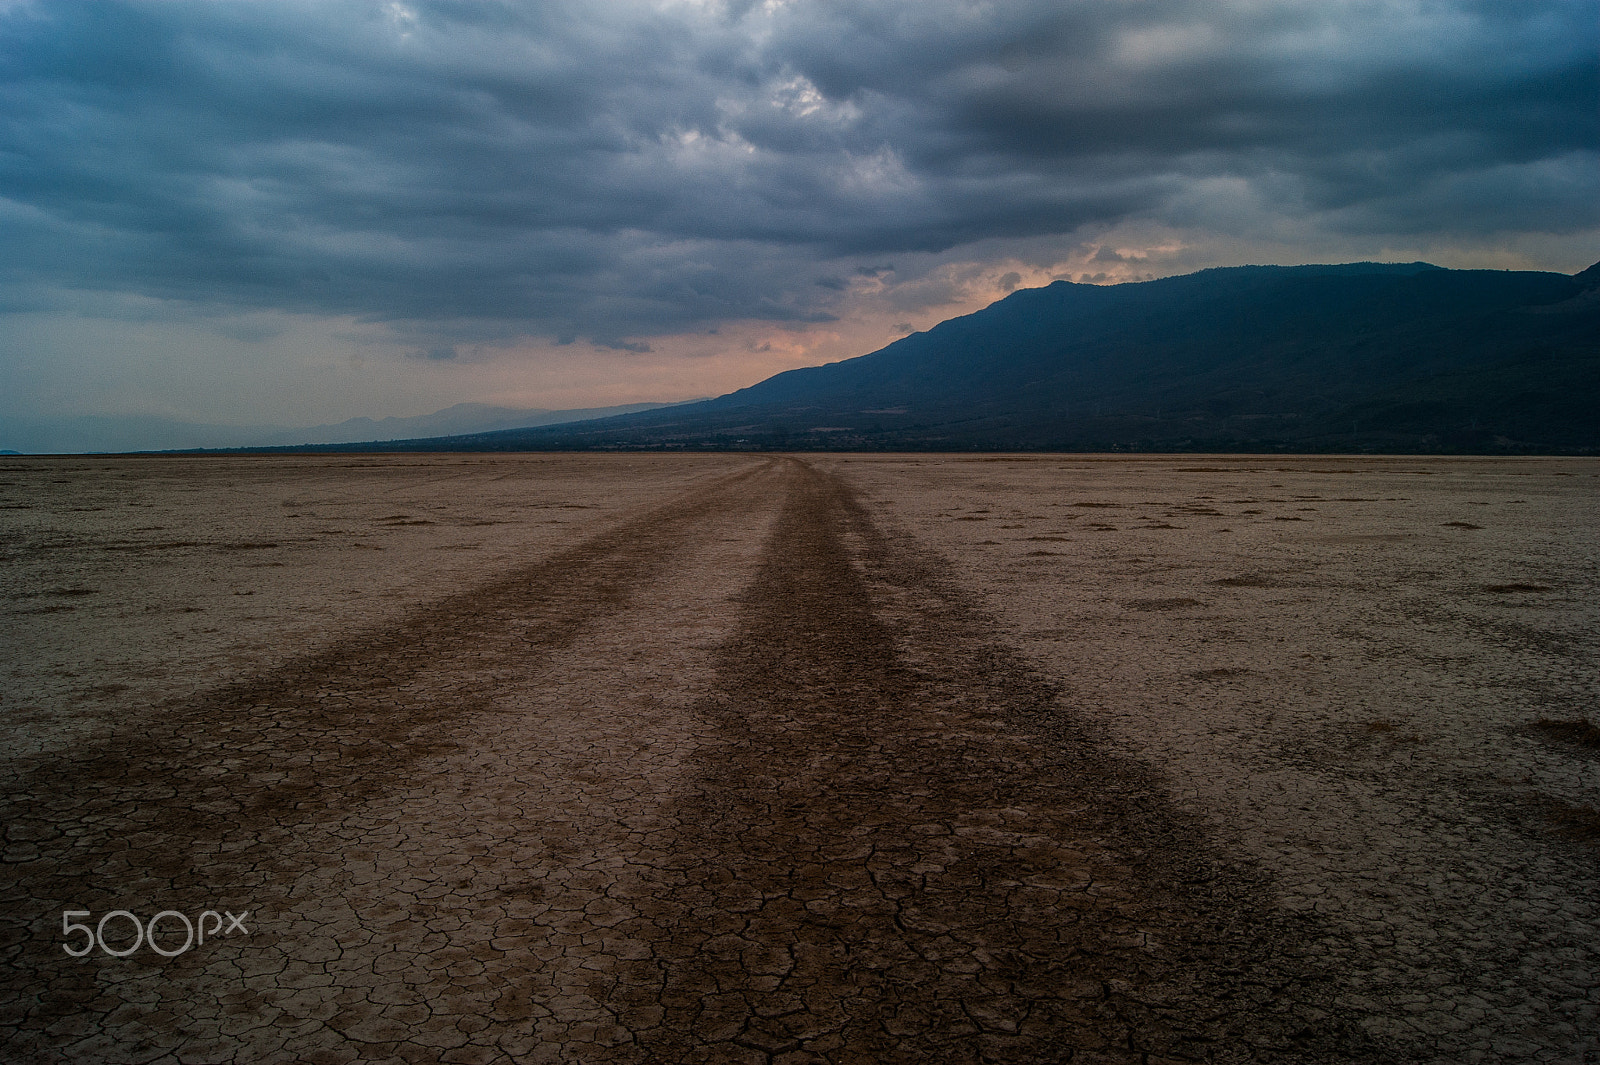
[{"x": 853, "y": 758}]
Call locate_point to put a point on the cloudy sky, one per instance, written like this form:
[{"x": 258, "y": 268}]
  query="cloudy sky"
[{"x": 297, "y": 212}]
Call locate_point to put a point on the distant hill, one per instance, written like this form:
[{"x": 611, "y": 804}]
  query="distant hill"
[
  {"x": 120, "y": 433},
  {"x": 456, "y": 420},
  {"x": 1359, "y": 357}
]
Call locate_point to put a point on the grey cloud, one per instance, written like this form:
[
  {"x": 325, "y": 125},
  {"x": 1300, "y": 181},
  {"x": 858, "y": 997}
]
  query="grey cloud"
[{"x": 617, "y": 171}]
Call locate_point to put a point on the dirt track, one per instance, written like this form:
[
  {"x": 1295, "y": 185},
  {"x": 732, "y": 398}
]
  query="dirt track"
[{"x": 742, "y": 776}]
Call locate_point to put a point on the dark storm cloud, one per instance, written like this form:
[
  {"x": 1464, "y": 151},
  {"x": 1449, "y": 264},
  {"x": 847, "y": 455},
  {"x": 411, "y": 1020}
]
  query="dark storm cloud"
[{"x": 619, "y": 170}]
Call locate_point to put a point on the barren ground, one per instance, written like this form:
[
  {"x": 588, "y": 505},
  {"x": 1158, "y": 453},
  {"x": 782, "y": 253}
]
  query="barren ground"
[{"x": 639, "y": 758}]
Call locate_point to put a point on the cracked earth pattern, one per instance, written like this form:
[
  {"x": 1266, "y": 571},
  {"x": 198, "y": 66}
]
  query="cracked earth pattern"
[
  {"x": 1339, "y": 665},
  {"x": 747, "y": 770}
]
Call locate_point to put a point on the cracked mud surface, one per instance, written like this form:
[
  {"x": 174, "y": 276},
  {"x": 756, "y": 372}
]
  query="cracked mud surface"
[
  {"x": 769, "y": 760},
  {"x": 1351, "y": 699}
]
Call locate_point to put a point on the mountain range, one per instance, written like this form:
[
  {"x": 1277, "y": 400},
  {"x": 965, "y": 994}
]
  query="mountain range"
[
  {"x": 1386, "y": 357},
  {"x": 1358, "y": 357}
]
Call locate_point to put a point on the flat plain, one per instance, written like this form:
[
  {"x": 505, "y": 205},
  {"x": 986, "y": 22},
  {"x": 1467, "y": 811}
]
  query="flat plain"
[{"x": 856, "y": 758}]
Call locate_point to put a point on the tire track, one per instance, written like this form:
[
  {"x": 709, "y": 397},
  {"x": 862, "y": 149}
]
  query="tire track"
[
  {"x": 902, "y": 851},
  {"x": 218, "y": 790}
]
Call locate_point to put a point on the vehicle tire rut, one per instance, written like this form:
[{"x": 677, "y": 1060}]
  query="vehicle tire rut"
[
  {"x": 902, "y": 849},
  {"x": 195, "y": 798}
]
